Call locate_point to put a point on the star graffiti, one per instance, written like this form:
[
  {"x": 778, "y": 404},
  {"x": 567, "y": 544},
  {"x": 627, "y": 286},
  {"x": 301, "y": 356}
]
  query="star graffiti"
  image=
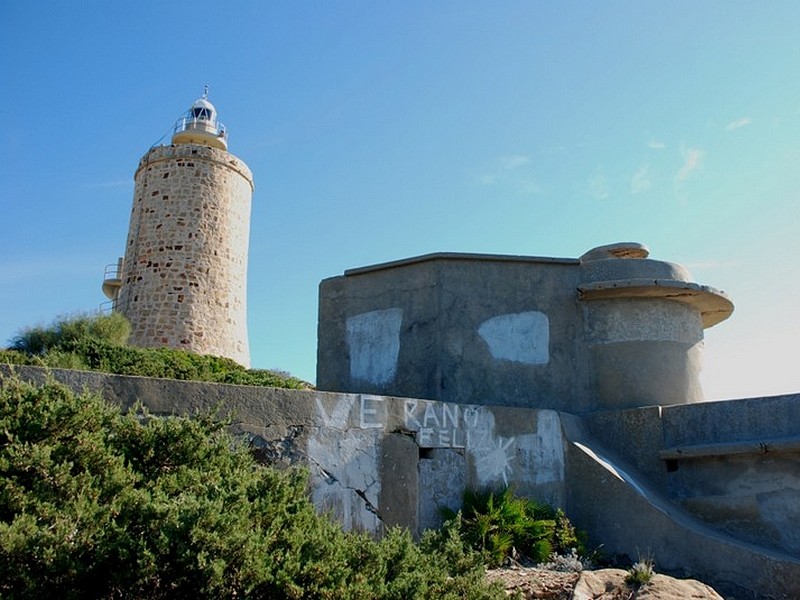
[{"x": 493, "y": 460}]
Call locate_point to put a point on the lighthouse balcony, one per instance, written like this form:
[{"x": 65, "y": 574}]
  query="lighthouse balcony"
[
  {"x": 190, "y": 129},
  {"x": 112, "y": 280},
  {"x": 199, "y": 124}
]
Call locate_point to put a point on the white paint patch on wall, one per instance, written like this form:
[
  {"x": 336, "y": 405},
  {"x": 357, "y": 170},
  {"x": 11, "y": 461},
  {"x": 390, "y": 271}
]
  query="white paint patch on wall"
[
  {"x": 463, "y": 427},
  {"x": 344, "y": 460},
  {"x": 373, "y": 340},
  {"x": 346, "y": 463},
  {"x": 339, "y": 415},
  {"x": 493, "y": 455},
  {"x": 541, "y": 454},
  {"x": 518, "y": 337}
]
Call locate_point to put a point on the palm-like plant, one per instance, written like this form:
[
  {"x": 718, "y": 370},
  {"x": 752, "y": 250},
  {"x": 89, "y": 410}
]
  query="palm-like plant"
[{"x": 500, "y": 524}]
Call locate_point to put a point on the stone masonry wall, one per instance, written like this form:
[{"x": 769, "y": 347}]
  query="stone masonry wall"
[{"x": 184, "y": 280}]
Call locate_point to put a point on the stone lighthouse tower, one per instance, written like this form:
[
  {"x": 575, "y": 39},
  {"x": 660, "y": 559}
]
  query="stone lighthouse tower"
[{"x": 183, "y": 281}]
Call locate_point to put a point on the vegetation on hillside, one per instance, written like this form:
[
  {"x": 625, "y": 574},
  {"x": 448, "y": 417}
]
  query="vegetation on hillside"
[
  {"x": 96, "y": 503},
  {"x": 98, "y": 342},
  {"x": 99, "y": 504}
]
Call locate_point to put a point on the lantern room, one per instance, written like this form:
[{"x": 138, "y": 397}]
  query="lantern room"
[{"x": 199, "y": 125}]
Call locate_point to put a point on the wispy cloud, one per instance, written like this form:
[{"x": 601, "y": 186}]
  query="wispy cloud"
[
  {"x": 640, "y": 182},
  {"x": 501, "y": 167},
  {"x": 738, "y": 124},
  {"x": 512, "y": 170},
  {"x": 692, "y": 160},
  {"x": 656, "y": 145},
  {"x": 513, "y": 162},
  {"x": 598, "y": 186}
]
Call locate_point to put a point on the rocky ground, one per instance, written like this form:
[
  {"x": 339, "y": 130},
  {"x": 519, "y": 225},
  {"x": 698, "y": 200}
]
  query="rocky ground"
[{"x": 604, "y": 584}]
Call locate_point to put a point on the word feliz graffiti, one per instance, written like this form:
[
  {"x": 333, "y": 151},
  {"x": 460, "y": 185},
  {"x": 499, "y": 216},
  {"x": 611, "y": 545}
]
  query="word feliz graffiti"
[{"x": 435, "y": 424}]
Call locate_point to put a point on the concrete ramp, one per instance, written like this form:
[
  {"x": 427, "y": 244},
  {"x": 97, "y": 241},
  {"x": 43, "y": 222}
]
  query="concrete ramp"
[{"x": 631, "y": 519}]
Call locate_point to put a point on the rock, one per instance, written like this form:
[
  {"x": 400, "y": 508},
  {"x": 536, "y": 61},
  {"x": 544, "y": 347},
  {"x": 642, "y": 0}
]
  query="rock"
[
  {"x": 609, "y": 584},
  {"x": 535, "y": 584},
  {"x": 662, "y": 587},
  {"x": 604, "y": 584}
]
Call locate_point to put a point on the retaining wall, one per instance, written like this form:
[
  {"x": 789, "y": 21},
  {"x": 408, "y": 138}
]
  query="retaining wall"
[{"x": 650, "y": 479}]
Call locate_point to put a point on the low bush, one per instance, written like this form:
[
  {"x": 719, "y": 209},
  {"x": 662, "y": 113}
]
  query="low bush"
[
  {"x": 500, "y": 525},
  {"x": 262, "y": 377},
  {"x": 572, "y": 562},
  {"x": 15, "y": 357},
  {"x": 98, "y": 343},
  {"x": 641, "y": 572},
  {"x": 111, "y": 328},
  {"x": 98, "y": 504}
]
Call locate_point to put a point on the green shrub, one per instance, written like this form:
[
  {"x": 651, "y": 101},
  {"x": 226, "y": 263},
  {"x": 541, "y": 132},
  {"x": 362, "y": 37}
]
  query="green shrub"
[
  {"x": 112, "y": 328},
  {"x": 641, "y": 572},
  {"x": 566, "y": 538},
  {"x": 97, "y": 342},
  {"x": 97, "y": 504},
  {"x": 262, "y": 377},
  {"x": 499, "y": 524},
  {"x": 152, "y": 362},
  {"x": 15, "y": 357},
  {"x": 60, "y": 359},
  {"x": 34, "y": 340}
]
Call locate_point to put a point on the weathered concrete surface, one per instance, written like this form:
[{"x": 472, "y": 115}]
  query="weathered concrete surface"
[
  {"x": 733, "y": 464},
  {"x": 400, "y": 477},
  {"x": 377, "y": 461},
  {"x": 374, "y": 460},
  {"x": 742, "y": 420},
  {"x": 737, "y": 466},
  {"x": 443, "y": 474},
  {"x": 635, "y": 434},
  {"x": 472, "y": 329},
  {"x": 632, "y": 518},
  {"x": 609, "y": 330}
]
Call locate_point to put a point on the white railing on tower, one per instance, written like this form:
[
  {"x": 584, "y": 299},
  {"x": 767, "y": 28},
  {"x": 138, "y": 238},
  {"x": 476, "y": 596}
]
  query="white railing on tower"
[
  {"x": 189, "y": 121},
  {"x": 112, "y": 271}
]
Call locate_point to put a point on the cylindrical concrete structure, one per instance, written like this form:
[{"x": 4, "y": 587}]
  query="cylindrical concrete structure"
[
  {"x": 643, "y": 325},
  {"x": 184, "y": 279}
]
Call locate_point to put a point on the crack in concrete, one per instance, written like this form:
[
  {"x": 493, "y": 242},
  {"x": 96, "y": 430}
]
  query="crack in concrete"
[
  {"x": 405, "y": 431},
  {"x": 368, "y": 505},
  {"x": 331, "y": 479}
]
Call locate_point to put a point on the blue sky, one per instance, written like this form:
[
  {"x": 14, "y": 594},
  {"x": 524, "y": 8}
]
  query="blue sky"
[{"x": 378, "y": 131}]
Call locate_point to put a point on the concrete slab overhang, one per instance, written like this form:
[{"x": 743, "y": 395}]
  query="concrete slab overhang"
[
  {"x": 459, "y": 256},
  {"x": 714, "y": 305}
]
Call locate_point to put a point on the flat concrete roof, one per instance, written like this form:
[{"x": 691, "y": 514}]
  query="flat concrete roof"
[{"x": 469, "y": 256}]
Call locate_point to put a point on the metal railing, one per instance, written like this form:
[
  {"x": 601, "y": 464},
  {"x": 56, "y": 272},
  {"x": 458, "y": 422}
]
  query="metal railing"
[
  {"x": 112, "y": 281},
  {"x": 189, "y": 121},
  {"x": 112, "y": 271}
]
